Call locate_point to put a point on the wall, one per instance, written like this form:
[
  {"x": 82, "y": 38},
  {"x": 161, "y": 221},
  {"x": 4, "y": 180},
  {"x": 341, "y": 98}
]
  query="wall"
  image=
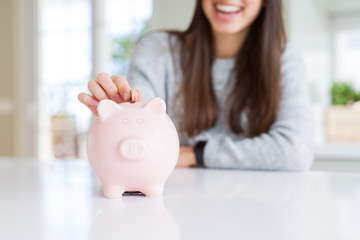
[
  {"x": 309, "y": 32},
  {"x": 18, "y": 124},
  {"x": 7, "y": 78},
  {"x": 172, "y": 15}
]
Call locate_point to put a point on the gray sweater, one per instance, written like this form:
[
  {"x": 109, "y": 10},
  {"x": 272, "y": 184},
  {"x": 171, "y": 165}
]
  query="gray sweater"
[{"x": 287, "y": 146}]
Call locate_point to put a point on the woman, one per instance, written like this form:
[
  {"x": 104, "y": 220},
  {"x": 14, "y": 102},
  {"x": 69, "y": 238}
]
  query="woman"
[{"x": 235, "y": 91}]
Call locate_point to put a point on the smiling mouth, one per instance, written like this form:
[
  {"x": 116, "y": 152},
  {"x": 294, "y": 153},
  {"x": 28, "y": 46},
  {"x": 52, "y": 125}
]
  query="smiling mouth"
[{"x": 222, "y": 8}]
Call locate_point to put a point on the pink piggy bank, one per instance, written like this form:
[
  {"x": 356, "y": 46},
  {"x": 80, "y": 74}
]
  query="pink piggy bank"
[{"x": 133, "y": 147}]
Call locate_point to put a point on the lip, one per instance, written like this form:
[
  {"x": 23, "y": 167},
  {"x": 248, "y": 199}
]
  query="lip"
[
  {"x": 226, "y": 16},
  {"x": 228, "y": 3}
]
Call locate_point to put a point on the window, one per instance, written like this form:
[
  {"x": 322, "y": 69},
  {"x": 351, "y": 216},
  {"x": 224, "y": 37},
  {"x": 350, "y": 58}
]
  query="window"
[
  {"x": 66, "y": 48},
  {"x": 346, "y": 38},
  {"x": 347, "y": 47}
]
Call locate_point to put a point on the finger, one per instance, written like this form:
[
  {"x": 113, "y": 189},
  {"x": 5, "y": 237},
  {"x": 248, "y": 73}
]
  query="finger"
[
  {"x": 108, "y": 85},
  {"x": 137, "y": 95},
  {"x": 97, "y": 90},
  {"x": 89, "y": 101},
  {"x": 122, "y": 86}
]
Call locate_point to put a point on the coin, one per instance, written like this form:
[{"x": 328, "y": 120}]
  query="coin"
[{"x": 132, "y": 97}]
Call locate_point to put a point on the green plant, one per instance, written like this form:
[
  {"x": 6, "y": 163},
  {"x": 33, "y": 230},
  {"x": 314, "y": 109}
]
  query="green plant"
[
  {"x": 343, "y": 93},
  {"x": 122, "y": 48}
]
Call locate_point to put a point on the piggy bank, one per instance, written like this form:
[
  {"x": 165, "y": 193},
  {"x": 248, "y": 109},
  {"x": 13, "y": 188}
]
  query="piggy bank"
[{"x": 133, "y": 147}]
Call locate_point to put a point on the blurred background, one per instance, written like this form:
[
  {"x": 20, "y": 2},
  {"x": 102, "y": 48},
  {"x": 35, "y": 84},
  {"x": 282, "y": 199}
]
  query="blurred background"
[{"x": 51, "y": 48}]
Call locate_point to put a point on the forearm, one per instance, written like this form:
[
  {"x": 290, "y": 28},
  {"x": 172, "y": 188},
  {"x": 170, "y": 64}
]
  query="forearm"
[{"x": 279, "y": 149}]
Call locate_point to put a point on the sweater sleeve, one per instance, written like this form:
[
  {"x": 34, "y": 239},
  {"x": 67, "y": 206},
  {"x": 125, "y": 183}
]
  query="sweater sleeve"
[
  {"x": 147, "y": 71},
  {"x": 288, "y": 145}
]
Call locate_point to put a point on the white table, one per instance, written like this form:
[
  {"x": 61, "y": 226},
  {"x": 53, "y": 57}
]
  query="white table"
[{"x": 63, "y": 200}]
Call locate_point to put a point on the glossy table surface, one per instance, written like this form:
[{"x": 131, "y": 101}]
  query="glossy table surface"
[{"x": 63, "y": 200}]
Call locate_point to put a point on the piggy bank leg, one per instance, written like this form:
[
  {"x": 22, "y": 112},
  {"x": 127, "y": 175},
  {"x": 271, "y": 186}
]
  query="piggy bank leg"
[
  {"x": 153, "y": 190},
  {"x": 113, "y": 191}
]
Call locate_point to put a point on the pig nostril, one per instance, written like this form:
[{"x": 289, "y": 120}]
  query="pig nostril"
[
  {"x": 139, "y": 120},
  {"x": 140, "y": 149},
  {"x": 125, "y": 121},
  {"x": 128, "y": 150}
]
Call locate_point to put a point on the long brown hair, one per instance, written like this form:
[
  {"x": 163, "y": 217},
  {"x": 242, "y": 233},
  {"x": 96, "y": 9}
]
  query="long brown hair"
[{"x": 257, "y": 75}]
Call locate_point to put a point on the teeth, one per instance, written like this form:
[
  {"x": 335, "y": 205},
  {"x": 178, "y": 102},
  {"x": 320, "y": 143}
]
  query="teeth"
[{"x": 227, "y": 8}]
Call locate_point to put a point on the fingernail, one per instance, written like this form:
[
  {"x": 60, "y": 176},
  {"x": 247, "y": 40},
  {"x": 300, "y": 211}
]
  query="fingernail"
[
  {"x": 94, "y": 102},
  {"x": 118, "y": 97},
  {"x": 126, "y": 96}
]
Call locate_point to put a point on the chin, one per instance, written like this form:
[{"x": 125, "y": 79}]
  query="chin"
[{"x": 227, "y": 29}]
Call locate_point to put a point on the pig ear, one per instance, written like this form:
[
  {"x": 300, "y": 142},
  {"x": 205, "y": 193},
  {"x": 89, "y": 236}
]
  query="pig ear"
[
  {"x": 106, "y": 108},
  {"x": 156, "y": 105}
]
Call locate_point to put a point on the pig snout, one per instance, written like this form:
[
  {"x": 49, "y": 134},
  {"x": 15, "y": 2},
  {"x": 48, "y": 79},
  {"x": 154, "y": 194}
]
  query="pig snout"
[{"x": 132, "y": 148}]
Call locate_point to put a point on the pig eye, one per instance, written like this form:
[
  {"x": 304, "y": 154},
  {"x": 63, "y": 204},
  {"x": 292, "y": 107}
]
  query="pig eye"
[
  {"x": 125, "y": 121},
  {"x": 139, "y": 120}
]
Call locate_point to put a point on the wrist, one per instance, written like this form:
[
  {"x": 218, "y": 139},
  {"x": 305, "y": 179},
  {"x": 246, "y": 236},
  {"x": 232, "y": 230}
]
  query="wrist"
[{"x": 199, "y": 152}]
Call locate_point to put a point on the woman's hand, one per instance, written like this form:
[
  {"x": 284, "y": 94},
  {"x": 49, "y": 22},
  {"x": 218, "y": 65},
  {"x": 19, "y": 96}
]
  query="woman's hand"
[
  {"x": 115, "y": 88},
  {"x": 186, "y": 157}
]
